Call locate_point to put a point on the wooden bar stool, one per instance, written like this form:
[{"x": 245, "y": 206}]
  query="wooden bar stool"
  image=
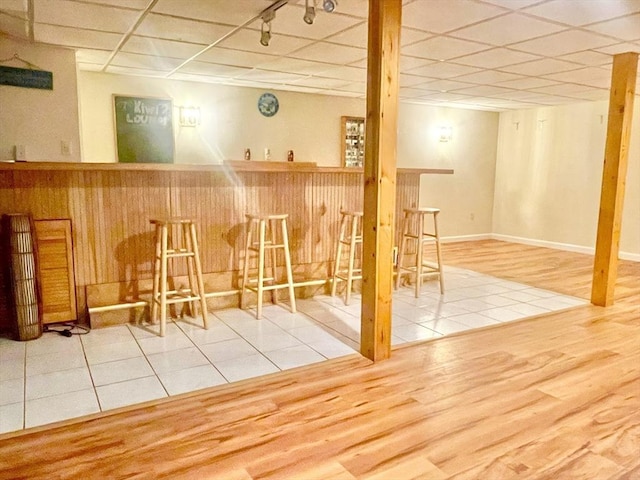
[
  {"x": 413, "y": 230},
  {"x": 261, "y": 225},
  {"x": 166, "y": 249},
  {"x": 350, "y": 236}
]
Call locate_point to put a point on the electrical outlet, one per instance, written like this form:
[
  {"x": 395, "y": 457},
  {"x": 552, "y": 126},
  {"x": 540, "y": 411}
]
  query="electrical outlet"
[
  {"x": 394, "y": 256},
  {"x": 20, "y": 152},
  {"x": 65, "y": 147}
]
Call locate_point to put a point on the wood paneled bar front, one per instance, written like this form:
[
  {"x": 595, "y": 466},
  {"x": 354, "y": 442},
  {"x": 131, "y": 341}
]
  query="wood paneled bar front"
[{"x": 110, "y": 206}]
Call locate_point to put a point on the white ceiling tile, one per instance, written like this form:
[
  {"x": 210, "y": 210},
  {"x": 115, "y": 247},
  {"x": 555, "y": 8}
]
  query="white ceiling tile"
[
  {"x": 407, "y": 80},
  {"x": 513, "y": 4},
  {"x": 583, "y": 12},
  {"x": 407, "y": 63},
  {"x": 160, "y": 47},
  {"x": 409, "y": 35},
  {"x": 550, "y": 100},
  {"x": 507, "y": 29},
  {"x": 362, "y": 63},
  {"x": 443, "y": 70},
  {"x": 16, "y": 8},
  {"x": 216, "y": 11},
  {"x": 13, "y": 26},
  {"x": 351, "y": 74},
  {"x": 84, "y": 15},
  {"x": 285, "y": 64},
  {"x": 442, "y": 48},
  {"x": 439, "y": 16},
  {"x": 145, "y": 62},
  {"x": 249, "y": 40},
  {"x": 565, "y": 89},
  {"x": 593, "y": 94},
  {"x": 445, "y": 97},
  {"x": 355, "y": 36},
  {"x": 329, "y": 53},
  {"x": 162, "y": 26},
  {"x": 408, "y": 92},
  {"x": 589, "y": 58},
  {"x": 483, "y": 90},
  {"x": 541, "y": 67},
  {"x": 568, "y": 41},
  {"x": 527, "y": 82},
  {"x": 235, "y": 57},
  {"x": 625, "y": 28},
  {"x": 358, "y": 87},
  {"x": 446, "y": 85},
  {"x": 496, "y": 57},
  {"x": 192, "y": 77},
  {"x": 620, "y": 48},
  {"x": 517, "y": 95},
  {"x": 271, "y": 77},
  {"x": 358, "y": 8},
  {"x": 134, "y": 4},
  {"x": 139, "y": 72},
  {"x": 318, "y": 82},
  {"x": 75, "y": 37},
  {"x": 88, "y": 56},
  {"x": 592, "y": 76},
  {"x": 488, "y": 77},
  {"x": 206, "y": 68}
]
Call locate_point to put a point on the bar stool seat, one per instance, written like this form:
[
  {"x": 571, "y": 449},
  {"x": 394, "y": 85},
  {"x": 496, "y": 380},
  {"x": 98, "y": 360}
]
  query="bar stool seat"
[
  {"x": 350, "y": 236},
  {"x": 183, "y": 246},
  {"x": 413, "y": 230},
  {"x": 265, "y": 227}
]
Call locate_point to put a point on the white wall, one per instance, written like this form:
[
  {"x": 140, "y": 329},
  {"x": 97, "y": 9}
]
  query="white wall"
[
  {"x": 40, "y": 119},
  {"x": 549, "y": 175},
  {"x": 230, "y": 122},
  {"x": 466, "y": 197}
]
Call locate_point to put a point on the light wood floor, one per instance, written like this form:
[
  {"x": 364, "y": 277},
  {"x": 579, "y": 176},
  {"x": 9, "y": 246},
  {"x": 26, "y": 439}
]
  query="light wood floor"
[{"x": 554, "y": 397}]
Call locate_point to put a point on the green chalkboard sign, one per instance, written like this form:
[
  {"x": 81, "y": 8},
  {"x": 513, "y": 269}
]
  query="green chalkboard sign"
[{"x": 144, "y": 129}]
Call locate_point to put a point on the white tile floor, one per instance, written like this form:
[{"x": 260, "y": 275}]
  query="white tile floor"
[{"x": 56, "y": 378}]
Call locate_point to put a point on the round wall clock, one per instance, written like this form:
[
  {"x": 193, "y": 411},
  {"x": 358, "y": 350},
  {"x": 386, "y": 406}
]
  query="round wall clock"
[{"x": 268, "y": 104}]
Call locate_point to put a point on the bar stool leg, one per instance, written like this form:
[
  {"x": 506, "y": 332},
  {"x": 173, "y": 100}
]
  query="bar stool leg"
[
  {"x": 245, "y": 274},
  {"x": 287, "y": 261},
  {"x": 352, "y": 256},
  {"x": 419, "y": 255},
  {"x": 156, "y": 278},
  {"x": 261, "y": 236},
  {"x": 405, "y": 226},
  {"x": 336, "y": 264},
  {"x": 186, "y": 241},
  {"x": 163, "y": 280},
  {"x": 274, "y": 257},
  {"x": 438, "y": 252},
  {"x": 198, "y": 268}
]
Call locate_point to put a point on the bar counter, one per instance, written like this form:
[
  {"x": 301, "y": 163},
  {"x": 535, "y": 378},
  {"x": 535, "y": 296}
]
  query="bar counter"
[{"x": 110, "y": 206}]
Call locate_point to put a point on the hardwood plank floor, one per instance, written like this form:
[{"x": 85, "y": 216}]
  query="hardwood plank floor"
[{"x": 552, "y": 397}]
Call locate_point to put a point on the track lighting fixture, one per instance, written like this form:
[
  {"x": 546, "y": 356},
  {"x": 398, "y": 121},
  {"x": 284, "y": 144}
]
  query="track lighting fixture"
[
  {"x": 265, "y": 34},
  {"x": 329, "y": 5},
  {"x": 269, "y": 13},
  {"x": 309, "y": 12}
]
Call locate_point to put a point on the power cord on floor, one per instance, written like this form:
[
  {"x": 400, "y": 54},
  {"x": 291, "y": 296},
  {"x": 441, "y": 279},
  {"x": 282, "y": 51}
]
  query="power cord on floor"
[{"x": 68, "y": 331}]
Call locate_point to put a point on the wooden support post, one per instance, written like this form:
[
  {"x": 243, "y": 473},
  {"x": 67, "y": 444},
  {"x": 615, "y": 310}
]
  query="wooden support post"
[
  {"x": 605, "y": 268},
  {"x": 380, "y": 176}
]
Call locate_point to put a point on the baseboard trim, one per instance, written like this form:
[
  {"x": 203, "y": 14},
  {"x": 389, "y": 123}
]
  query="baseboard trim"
[
  {"x": 466, "y": 238},
  {"x": 634, "y": 257}
]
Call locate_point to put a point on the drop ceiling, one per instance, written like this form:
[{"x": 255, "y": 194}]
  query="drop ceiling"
[{"x": 483, "y": 54}]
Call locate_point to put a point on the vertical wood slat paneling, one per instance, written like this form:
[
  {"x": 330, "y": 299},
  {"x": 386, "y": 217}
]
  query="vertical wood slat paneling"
[{"x": 110, "y": 213}]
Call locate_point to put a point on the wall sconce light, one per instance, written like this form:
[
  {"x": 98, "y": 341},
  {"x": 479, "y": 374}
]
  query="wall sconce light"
[
  {"x": 189, "y": 116},
  {"x": 309, "y": 12},
  {"x": 445, "y": 134}
]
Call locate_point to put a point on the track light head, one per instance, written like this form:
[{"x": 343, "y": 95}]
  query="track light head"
[
  {"x": 265, "y": 34},
  {"x": 329, "y": 5},
  {"x": 309, "y": 12}
]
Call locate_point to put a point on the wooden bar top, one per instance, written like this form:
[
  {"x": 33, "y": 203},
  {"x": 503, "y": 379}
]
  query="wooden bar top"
[{"x": 235, "y": 165}]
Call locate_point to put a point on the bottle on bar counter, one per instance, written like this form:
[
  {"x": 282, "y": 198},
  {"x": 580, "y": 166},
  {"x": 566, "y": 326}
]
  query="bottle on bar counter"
[
  {"x": 247, "y": 154},
  {"x": 290, "y": 156}
]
